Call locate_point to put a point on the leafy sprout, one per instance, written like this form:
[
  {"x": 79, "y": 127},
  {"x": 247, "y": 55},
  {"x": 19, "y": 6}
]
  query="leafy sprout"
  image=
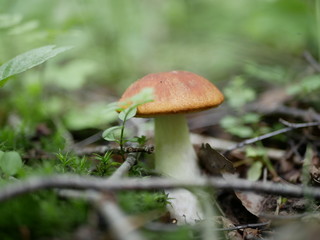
[
  {"x": 106, "y": 166},
  {"x": 71, "y": 163},
  {"x": 127, "y": 110}
]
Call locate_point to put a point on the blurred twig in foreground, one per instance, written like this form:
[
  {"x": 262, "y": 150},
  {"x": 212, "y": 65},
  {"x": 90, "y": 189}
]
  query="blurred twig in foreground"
[{"x": 77, "y": 182}]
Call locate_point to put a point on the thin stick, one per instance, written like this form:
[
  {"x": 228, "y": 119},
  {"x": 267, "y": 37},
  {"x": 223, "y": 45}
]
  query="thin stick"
[
  {"x": 157, "y": 226},
  {"x": 290, "y": 127},
  {"x": 125, "y": 166},
  {"x": 222, "y": 145},
  {"x": 120, "y": 227},
  {"x": 103, "y": 149},
  {"x": 78, "y": 182}
]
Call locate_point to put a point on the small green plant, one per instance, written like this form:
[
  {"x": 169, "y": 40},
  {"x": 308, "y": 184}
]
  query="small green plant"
[
  {"x": 106, "y": 165},
  {"x": 41, "y": 215},
  {"x": 142, "y": 201},
  {"x": 10, "y": 163},
  {"x": 74, "y": 164},
  {"x": 244, "y": 126},
  {"x": 238, "y": 93},
  {"x": 127, "y": 111},
  {"x": 257, "y": 157},
  {"x": 308, "y": 85}
]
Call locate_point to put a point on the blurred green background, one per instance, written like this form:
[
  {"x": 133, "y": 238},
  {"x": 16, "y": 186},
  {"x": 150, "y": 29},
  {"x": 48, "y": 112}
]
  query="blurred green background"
[
  {"x": 245, "y": 47},
  {"x": 118, "y": 41}
]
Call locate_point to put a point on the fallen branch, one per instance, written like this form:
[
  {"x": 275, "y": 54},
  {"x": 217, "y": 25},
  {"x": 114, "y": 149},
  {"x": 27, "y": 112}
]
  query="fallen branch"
[
  {"x": 103, "y": 149},
  {"x": 125, "y": 166},
  {"x": 223, "y": 145},
  {"x": 120, "y": 227},
  {"x": 118, "y": 222},
  {"x": 78, "y": 182},
  {"x": 290, "y": 127}
]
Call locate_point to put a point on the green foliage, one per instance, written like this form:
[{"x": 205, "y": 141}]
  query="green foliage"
[
  {"x": 112, "y": 133},
  {"x": 73, "y": 164},
  {"x": 106, "y": 165},
  {"x": 72, "y": 75},
  {"x": 127, "y": 110},
  {"x": 28, "y": 60},
  {"x": 116, "y": 42},
  {"x": 307, "y": 86},
  {"x": 13, "y": 139},
  {"x": 10, "y": 163},
  {"x": 140, "y": 170},
  {"x": 255, "y": 156},
  {"x": 9, "y": 20},
  {"x": 40, "y": 215},
  {"x": 54, "y": 142},
  {"x": 244, "y": 126},
  {"x": 258, "y": 159},
  {"x": 272, "y": 23},
  {"x": 255, "y": 171},
  {"x": 238, "y": 93},
  {"x": 81, "y": 117},
  {"x": 183, "y": 232},
  {"x": 268, "y": 73},
  {"x": 142, "y": 201}
]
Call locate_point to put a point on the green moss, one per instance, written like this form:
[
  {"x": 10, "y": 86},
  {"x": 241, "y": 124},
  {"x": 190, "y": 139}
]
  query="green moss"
[
  {"x": 40, "y": 215},
  {"x": 137, "y": 202}
]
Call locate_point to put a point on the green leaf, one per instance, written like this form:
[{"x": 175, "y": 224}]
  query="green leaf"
[
  {"x": 10, "y": 163},
  {"x": 110, "y": 133},
  {"x": 255, "y": 152},
  {"x": 229, "y": 122},
  {"x": 250, "y": 118},
  {"x": 142, "y": 140},
  {"x": 238, "y": 93},
  {"x": 28, "y": 60},
  {"x": 241, "y": 131},
  {"x": 127, "y": 113},
  {"x": 307, "y": 85},
  {"x": 254, "y": 171},
  {"x": 1, "y": 154}
]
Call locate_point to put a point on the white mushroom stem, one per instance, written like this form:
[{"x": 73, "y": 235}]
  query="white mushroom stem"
[{"x": 176, "y": 158}]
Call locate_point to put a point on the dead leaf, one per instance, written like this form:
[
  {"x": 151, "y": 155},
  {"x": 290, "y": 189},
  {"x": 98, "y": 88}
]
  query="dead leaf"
[
  {"x": 251, "y": 233},
  {"x": 214, "y": 162},
  {"x": 253, "y": 202},
  {"x": 227, "y": 223}
]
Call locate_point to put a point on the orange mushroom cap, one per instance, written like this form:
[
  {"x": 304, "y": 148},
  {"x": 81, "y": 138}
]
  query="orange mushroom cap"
[{"x": 175, "y": 92}]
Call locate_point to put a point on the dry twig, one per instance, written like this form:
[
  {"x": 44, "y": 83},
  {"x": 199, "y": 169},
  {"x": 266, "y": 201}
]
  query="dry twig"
[
  {"x": 290, "y": 127},
  {"x": 222, "y": 145},
  {"x": 119, "y": 224},
  {"x": 103, "y": 149},
  {"x": 78, "y": 182},
  {"x": 125, "y": 166},
  {"x": 120, "y": 227}
]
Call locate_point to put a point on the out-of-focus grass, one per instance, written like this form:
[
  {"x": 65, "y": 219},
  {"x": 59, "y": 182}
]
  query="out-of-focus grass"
[
  {"x": 124, "y": 40},
  {"x": 117, "y": 41}
]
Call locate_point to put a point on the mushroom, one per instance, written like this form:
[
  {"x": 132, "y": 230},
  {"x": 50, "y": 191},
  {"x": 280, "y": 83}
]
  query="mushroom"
[{"x": 176, "y": 93}]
